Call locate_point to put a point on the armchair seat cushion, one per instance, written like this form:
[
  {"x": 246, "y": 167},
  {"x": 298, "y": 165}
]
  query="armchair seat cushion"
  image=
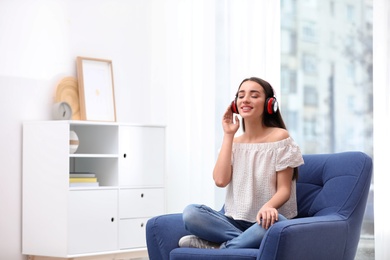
[{"x": 210, "y": 254}]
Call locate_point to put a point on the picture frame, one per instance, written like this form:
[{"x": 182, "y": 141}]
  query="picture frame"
[{"x": 96, "y": 89}]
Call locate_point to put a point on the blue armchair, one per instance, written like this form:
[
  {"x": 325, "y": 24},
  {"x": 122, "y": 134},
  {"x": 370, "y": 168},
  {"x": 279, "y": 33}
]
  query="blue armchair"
[{"x": 332, "y": 192}]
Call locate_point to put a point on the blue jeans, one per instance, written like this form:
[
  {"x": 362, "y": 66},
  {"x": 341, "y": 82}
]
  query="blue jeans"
[{"x": 214, "y": 226}]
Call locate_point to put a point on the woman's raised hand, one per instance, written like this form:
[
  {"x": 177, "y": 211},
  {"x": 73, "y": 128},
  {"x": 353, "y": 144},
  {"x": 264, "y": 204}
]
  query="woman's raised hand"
[{"x": 230, "y": 125}]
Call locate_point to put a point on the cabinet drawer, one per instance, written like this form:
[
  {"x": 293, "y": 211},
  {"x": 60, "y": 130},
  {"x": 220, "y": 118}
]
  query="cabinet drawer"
[
  {"x": 136, "y": 203},
  {"x": 132, "y": 233}
]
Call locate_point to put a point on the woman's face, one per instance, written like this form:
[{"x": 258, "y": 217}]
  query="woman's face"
[{"x": 250, "y": 99}]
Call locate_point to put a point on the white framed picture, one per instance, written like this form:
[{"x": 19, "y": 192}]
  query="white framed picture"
[{"x": 96, "y": 89}]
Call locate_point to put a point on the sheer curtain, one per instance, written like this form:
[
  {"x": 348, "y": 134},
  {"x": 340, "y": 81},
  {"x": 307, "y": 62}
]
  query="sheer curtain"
[
  {"x": 381, "y": 49},
  {"x": 203, "y": 51},
  {"x": 248, "y": 41}
]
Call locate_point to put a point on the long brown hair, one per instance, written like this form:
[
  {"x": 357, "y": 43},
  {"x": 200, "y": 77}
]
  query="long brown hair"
[{"x": 270, "y": 120}]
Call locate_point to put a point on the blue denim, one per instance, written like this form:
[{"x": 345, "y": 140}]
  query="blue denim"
[{"x": 214, "y": 226}]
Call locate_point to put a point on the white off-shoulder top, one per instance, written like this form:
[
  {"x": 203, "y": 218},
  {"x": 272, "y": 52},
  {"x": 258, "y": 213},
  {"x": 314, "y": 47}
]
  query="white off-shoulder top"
[{"x": 253, "y": 183}]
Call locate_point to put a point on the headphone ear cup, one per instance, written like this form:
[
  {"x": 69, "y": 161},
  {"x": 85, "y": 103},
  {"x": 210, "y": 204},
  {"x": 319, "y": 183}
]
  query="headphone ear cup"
[
  {"x": 271, "y": 105},
  {"x": 233, "y": 107}
]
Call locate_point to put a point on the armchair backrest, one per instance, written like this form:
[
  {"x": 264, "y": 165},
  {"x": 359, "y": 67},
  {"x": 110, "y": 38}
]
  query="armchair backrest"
[{"x": 334, "y": 184}]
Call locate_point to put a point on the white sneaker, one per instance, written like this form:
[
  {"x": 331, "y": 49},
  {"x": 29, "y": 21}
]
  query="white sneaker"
[{"x": 196, "y": 242}]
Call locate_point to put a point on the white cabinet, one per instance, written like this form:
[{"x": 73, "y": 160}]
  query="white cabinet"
[{"x": 62, "y": 221}]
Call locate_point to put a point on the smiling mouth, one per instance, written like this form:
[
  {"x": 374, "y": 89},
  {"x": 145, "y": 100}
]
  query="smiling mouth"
[{"x": 246, "y": 109}]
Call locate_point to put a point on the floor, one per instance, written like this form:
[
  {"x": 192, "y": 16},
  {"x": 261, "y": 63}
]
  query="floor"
[{"x": 366, "y": 249}]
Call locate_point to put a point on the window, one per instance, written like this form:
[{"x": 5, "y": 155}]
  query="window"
[
  {"x": 310, "y": 128},
  {"x": 310, "y": 96},
  {"x": 309, "y": 32},
  {"x": 309, "y": 64},
  {"x": 350, "y": 13},
  {"x": 288, "y": 81},
  {"x": 331, "y": 8},
  {"x": 288, "y": 42},
  {"x": 289, "y": 6},
  {"x": 331, "y": 68},
  {"x": 351, "y": 71}
]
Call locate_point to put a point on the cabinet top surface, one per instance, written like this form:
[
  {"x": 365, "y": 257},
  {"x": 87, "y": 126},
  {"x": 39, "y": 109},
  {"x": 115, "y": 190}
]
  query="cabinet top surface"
[{"x": 92, "y": 123}]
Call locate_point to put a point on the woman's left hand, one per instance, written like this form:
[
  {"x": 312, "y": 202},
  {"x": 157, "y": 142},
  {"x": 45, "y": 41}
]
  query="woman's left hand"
[{"x": 267, "y": 216}]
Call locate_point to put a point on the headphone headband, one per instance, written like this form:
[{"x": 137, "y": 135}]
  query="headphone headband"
[{"x": 270, "y": 106}]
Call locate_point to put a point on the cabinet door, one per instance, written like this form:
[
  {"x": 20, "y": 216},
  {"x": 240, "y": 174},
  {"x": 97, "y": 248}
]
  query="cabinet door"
[
  {"x": 142, "y": 156},
  {"x": 93, "y": 224}
]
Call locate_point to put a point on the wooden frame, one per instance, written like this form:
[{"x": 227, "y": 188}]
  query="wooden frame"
[{"x": 96, "y": 89}]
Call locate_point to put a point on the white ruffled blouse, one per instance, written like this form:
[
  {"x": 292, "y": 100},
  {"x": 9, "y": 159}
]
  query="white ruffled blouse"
[{"x": 253, "y": 183}]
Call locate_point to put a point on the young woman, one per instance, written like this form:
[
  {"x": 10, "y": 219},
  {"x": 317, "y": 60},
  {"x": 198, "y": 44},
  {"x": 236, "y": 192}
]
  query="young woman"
[{"x": 259, "y": 169}]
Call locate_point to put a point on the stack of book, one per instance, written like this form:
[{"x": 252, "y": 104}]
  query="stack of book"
[{"x": 83, "y": 179}]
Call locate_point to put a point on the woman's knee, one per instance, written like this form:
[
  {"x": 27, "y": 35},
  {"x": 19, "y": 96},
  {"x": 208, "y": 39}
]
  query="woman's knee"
[{"x": 190, "y": 212}]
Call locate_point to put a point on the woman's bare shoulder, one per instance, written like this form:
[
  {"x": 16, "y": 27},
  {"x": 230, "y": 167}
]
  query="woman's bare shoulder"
[{"x": 279, "y": 134}]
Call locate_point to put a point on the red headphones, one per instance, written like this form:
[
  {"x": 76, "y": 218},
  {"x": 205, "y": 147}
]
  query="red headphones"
[{"x": 270, "y": 105}]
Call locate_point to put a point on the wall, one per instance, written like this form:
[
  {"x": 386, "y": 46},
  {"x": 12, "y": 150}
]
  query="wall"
[
  {"x": 166, "y": 60},
  {"x": 38, "y": 45},
  {"x": 381, "y": 47}
]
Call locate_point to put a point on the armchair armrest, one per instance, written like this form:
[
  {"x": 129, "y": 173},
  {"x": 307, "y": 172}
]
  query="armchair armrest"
[
  {"x": 304, "y": 238},
  {"x": 163, "y": 234}
]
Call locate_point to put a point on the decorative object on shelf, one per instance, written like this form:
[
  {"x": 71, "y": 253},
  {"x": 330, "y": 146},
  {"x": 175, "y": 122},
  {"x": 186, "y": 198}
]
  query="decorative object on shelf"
[
  {"x": 73, "y": 142},
  {"x": 83, "y": 179},
  {"x": 68, "y": 91},
  {"x": 96, "y": 89},
  {"x": 62, "y": 111}
]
